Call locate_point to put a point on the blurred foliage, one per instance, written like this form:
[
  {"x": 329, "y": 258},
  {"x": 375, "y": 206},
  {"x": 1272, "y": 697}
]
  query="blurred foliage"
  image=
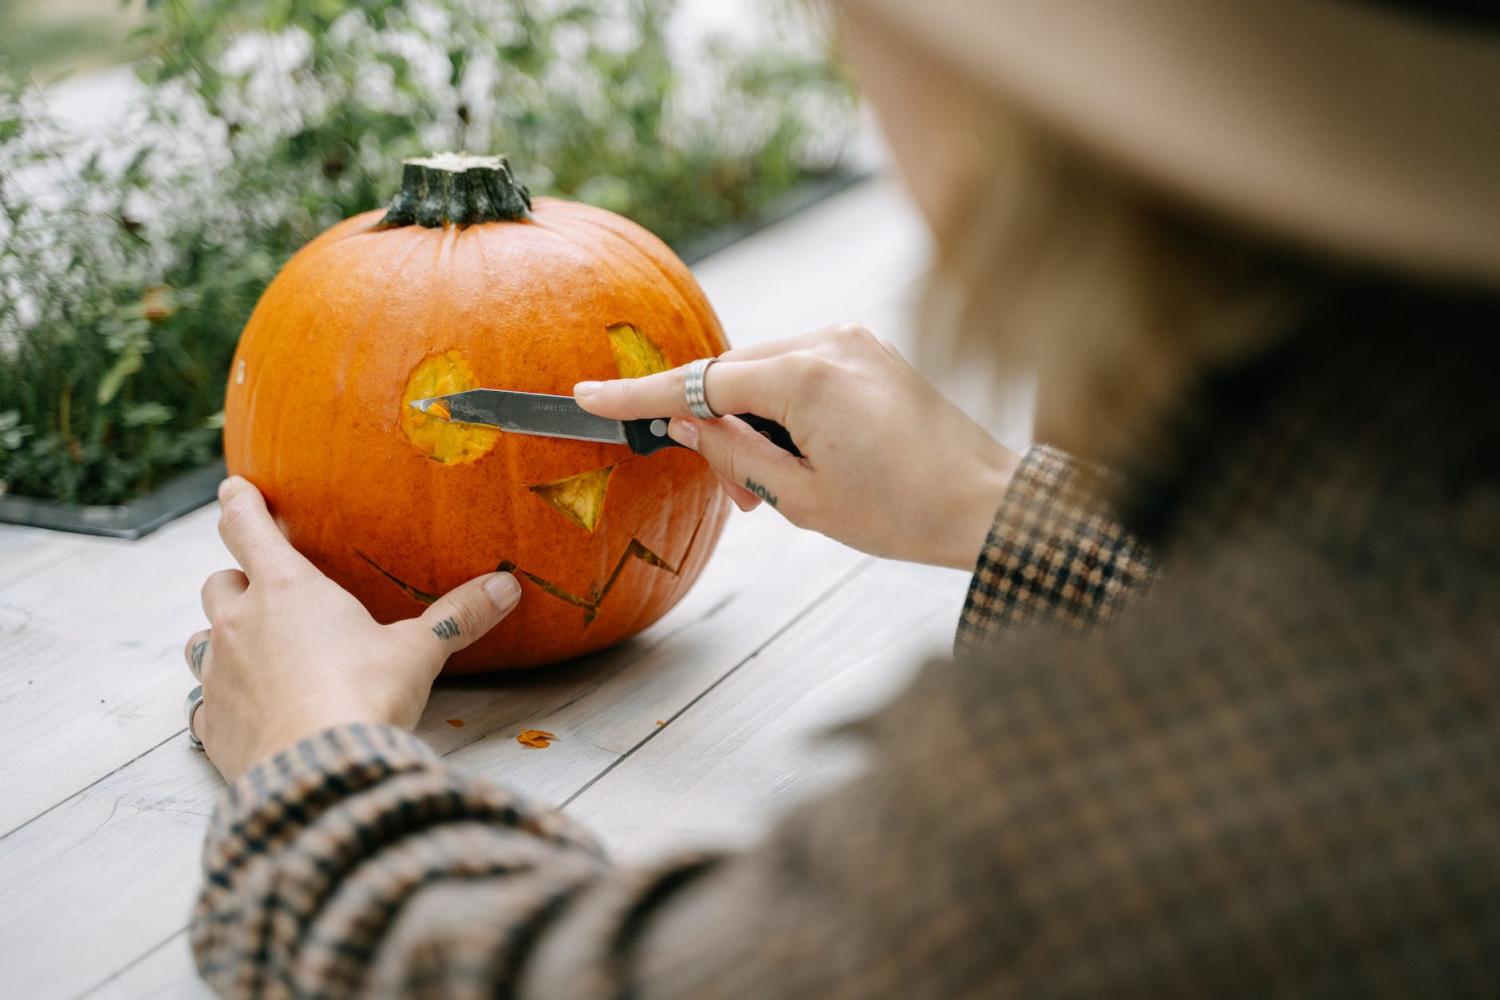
[
  {"x": 52, "y": 39},
  {"x": 130, "y": 261}
]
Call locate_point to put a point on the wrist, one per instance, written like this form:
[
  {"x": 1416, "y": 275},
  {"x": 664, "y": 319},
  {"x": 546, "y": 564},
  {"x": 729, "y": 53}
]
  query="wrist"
[
  {"x": 285, "y": 733},
  {"x": 974, "y": 511}
]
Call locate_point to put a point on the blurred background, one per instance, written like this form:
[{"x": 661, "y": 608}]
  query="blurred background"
[{"x": 160, "y": 160}]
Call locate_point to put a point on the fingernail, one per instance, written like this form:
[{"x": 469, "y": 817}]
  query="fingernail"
[
  {"x": 587, "y": 388},
  {"x": 684, "y": 432},
  {"x": 225, "y": 486},
  {"x": 503, "y": 590}
]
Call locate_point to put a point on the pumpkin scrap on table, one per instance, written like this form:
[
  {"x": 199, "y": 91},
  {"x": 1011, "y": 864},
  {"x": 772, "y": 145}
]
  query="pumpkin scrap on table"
[
  {"x": 467, "y": 281},
  {"x": 537, "y": 739}
]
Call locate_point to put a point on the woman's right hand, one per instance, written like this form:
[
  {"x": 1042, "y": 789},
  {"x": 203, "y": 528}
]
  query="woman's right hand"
[{"x": 889, "y": 465}]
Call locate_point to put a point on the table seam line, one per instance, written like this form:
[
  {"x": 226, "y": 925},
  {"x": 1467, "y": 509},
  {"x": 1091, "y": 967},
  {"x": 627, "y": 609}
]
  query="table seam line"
[{"x": 827, "y": 593}]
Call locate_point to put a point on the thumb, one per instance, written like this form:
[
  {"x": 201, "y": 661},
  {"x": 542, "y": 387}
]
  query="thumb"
[
  {"x": 743, "y": 458},
  {"x": 468, "y": 611}
]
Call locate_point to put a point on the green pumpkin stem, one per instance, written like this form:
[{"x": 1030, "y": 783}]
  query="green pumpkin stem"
[{"x": 457, "y": 189}]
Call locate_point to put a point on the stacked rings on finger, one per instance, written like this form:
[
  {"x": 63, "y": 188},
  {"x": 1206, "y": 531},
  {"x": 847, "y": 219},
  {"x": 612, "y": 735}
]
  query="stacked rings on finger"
[
  {"x": 194, "y": 702},
  {"x": 693, "y": 389}
]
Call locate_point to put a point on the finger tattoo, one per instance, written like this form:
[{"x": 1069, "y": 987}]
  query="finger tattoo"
[
  {"x": 196, "y": 656},
  {"x": 446, "y": 629},
  {"x": 760, "y": 491}
]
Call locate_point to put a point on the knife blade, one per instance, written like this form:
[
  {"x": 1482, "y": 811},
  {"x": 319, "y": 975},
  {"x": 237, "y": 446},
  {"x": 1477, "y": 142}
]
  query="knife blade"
[{"x": 562, "y": 417}]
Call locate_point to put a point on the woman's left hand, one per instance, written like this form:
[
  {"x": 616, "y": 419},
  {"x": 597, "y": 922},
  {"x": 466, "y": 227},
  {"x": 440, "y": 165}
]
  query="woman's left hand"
[{"x": 291, "y": 653}]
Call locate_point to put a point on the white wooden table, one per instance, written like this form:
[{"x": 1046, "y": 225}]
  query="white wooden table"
[{"x": 700, "y": 730}]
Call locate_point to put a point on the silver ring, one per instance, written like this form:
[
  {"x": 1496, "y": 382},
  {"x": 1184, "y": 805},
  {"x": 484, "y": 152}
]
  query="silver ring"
[
  {"x": 693, "y": 389},
  {"x": 194, "y": 702}
]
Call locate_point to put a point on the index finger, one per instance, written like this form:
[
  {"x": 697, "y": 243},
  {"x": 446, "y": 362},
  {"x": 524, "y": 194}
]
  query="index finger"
[
  {"x": 730, "y": 387},
  {"x": 248, "y": 531}
]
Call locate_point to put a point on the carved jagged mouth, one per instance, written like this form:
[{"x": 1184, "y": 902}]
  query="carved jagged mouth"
[
  {"x": 406, "y": 588},
  {"x": 589, "y": 602}
]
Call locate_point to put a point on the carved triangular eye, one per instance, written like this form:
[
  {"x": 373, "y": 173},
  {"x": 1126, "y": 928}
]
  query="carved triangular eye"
[{"x": 579, "y": 498}]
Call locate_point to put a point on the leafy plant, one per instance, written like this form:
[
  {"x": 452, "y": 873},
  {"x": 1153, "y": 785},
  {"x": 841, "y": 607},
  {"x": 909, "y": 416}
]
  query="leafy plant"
[{"x": 129, "y": 262}]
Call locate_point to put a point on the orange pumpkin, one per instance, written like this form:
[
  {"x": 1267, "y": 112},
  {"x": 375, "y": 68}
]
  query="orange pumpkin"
[{"x": 466, "y": 282}]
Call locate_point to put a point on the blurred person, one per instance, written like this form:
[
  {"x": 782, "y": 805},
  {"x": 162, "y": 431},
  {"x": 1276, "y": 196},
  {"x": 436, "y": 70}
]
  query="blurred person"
[{"x": 1225, "y": 713}]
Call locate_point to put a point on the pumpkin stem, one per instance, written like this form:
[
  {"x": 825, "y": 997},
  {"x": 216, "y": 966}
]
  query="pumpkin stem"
[{"x": 457, "y": 189}]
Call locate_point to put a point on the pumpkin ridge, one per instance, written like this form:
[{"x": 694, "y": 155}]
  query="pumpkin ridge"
[
  {"x": 612, "y": 256},
  {"x": 673, "y": 280}
]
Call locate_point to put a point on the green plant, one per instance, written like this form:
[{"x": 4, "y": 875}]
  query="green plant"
[{"x": 129, "y": 262}]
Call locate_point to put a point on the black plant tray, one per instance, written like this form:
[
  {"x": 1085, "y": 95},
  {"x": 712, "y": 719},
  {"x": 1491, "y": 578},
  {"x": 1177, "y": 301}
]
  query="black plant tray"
[
  {"x": 141, "y": 516},
  {"x": 192, "y": 490}
]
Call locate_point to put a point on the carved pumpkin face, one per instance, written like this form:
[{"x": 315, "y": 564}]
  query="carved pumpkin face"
[{"x": 399, "y": 506}]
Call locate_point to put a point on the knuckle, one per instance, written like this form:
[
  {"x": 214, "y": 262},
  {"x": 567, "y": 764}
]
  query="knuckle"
[
  {"x": 724, "y": 459},
  {"x": 853, "y": 336},
  {"x": 810, "y": 371},
  {"x": 279, "y": 580},
  {"x": 468, "y": 619},
  {"x": 215, "y": 580},
  {"x": 234, "y": 512}
]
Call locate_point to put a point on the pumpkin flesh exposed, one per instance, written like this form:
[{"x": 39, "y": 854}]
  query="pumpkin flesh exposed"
[{"x": 431, "y": 432}]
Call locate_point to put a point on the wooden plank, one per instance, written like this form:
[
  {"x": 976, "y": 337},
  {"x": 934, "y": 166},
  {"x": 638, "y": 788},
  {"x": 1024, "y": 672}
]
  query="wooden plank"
[
  {"x": 164, "y": 973},
  {"x": 91, "y": 676},
  {"x": 756, "y": 752},
  {"x": 24, "y": 551},
  {"x": 633, "y": 714},
  {"x": 755, "y": 745},
  {"x": 827, "y": 265},
  {"x": 111, "y": 872}
]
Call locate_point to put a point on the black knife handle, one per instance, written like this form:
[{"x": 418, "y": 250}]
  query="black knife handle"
[{"x": 648, "y": 436}]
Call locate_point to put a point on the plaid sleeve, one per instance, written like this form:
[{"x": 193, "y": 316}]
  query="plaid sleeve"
[
  {"x": 358, "y": 862},
  {"x": 1055, "y": 552}
]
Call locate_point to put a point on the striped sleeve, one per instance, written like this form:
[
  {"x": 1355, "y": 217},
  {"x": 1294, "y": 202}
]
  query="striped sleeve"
[{"x": 1055, "y": 553}]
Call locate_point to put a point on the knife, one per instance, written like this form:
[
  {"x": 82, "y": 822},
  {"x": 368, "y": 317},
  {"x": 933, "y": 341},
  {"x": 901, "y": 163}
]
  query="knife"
[{"x": 560, "y": 416}]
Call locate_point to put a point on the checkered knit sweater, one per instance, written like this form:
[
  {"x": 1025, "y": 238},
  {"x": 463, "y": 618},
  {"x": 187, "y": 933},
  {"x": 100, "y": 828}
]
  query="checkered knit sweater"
[{"x": 1277, "y": 772}]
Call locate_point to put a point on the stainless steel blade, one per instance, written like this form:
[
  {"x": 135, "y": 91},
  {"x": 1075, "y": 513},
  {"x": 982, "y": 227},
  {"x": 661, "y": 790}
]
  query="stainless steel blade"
[{"x": 527, "y": 413}]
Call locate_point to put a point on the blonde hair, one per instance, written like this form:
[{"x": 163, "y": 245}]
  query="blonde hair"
[{"x": 1116, "y": 297}]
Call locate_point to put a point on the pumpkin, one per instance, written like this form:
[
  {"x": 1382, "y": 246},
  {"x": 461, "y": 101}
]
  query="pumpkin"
[{"x": 466, "y": 281}]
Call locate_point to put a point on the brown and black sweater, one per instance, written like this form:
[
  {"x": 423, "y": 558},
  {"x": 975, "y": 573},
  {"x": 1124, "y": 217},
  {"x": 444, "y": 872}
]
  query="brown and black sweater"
[{"x": 1277, "y": 772}]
